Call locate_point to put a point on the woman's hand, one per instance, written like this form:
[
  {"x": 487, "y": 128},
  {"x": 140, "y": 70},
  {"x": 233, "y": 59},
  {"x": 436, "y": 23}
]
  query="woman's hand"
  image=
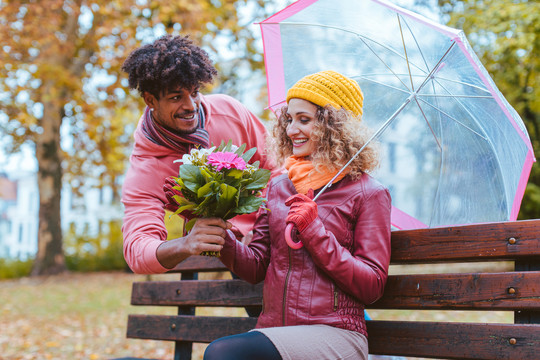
[{"x": 303, "y": 210}]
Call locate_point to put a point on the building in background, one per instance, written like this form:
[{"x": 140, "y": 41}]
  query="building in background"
[{"x": 19, "y": 213}]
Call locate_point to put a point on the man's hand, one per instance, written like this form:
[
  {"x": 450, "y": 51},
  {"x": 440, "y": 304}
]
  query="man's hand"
[{"x": 206, "y": 235}]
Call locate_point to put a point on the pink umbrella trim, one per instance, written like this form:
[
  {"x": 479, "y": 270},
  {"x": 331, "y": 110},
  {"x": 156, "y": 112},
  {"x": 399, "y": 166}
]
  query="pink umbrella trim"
[
  {"x": 404, "y": 221},
  {"x": 529, "y": 160}
]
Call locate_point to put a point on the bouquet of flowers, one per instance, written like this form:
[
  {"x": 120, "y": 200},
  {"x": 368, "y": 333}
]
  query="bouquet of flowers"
[{"x": 216, "y": 182}]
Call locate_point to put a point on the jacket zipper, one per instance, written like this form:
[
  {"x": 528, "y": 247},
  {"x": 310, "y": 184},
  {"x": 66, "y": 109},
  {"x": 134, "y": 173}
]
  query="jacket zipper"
[
  {"x": 285, "y": 289},
  {"x": 335, "y": 299}
]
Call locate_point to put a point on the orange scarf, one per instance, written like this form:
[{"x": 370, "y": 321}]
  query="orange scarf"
[{"x": 304, "y": 176}]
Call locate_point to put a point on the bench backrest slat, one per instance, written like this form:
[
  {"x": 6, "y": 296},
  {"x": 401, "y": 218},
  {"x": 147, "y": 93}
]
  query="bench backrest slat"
[
  {"x": 196, "y": 292},
  {"x": 471, "y": 291},
  {"x": 186, "y": 328},
  {"x": 479, "y": 291},
  {"x": 491, "y": 242},
  {"x": 454, "y": 340}
]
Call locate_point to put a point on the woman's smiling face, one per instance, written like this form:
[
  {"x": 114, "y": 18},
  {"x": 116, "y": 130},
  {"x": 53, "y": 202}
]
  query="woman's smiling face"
[{"x": 301, "y": 116}]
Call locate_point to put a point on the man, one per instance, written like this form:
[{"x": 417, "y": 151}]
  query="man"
[{"x": 168, "y": 74}]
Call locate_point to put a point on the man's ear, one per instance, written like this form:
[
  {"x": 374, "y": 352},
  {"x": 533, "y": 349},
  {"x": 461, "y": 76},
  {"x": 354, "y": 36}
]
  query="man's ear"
[{"x": 149, "y": 99}]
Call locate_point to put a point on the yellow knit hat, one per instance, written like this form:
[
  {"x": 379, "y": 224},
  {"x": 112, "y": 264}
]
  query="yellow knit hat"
[{"x": 329, "y": 88}]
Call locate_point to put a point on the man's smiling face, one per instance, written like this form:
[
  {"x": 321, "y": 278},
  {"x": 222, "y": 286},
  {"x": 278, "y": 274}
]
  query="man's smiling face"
[{"x": 176, "y": 110}]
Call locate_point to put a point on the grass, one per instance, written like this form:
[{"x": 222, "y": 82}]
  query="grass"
[
  {"x": 73, "y": 316},
  {"x": 84, "y": 315}
]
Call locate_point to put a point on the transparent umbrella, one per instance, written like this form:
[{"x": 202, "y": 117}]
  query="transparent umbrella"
[{"x": 454, "y": 150}]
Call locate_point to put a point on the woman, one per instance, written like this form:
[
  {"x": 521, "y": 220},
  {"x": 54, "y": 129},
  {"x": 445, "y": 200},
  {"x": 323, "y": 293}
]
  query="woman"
[{"x": 314, "y": 297}]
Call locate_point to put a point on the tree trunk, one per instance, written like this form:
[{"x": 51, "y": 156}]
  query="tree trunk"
[{"x": 50, "y": 258}]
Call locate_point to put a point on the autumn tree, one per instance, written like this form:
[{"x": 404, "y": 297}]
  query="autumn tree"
[
  {"x": 62, "y": 92},
  {"x": 506, "y": 36}
]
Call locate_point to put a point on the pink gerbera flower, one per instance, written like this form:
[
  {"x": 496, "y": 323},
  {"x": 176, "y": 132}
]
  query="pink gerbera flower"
[{"x": 228, "y": 160}]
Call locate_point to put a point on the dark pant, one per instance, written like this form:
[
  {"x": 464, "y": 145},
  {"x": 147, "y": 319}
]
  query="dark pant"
[{"x": 246, "y": 346}]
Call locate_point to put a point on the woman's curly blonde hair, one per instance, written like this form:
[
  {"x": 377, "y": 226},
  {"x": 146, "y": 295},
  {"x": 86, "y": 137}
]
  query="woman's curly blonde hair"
[{"x": 338, "y": 135}]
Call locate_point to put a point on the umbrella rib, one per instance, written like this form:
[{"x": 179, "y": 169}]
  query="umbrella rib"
[
  {"x": 465, "y": 83},
  {"x": 417, "y": 44},
  {"x": 436, "y": 67},
  {"x": 457, "y": 96},
  {"x": 405, "y": 50},
  {"x": 380, "y": 83},
  {"x": 453, "y": 118},
  {"x": 428, "y": 123}
]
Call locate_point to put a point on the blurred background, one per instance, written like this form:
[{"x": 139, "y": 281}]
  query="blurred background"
[{"x": 66, "y": 124}]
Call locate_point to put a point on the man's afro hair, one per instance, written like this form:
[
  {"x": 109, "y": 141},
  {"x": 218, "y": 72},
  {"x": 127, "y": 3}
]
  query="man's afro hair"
[{"x": 171, "y": 62}]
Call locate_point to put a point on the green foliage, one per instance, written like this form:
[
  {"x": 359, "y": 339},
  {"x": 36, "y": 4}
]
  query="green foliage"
[
  {"x": 99, "y": 253},
  {"x": 13, "y": 268},
  {"x": 205, "y": 189},
  {"x": 506, "y": 36},
  {"x": 83, "y": 253}
]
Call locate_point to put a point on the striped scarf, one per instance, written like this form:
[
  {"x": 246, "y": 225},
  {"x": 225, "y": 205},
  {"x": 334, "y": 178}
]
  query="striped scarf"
[{"x": 181, "y": 143}]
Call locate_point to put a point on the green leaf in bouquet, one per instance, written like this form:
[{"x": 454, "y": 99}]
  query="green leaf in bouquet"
[
  {"x": 226, "y": 200},
  {"x": 240, "y": 150},
  {"x": 207, "y": 189},
  {"x": 190, "y": 206},
  {"x": 224, "y": 147},
  {"x": 233, "y": 181},
  {"x": 259, "y": 179},
  {"x": 249, "y": 154},
  {"x": 249, "y": 205},
  {"x": 235, "y": 173},
  {"x": 181, "y": 200},
  {"x": 206, "y": 208},
  {"x": 178, "y": 182},
  {"x": 208, "y": 175},
  {"x": 256, "y": 164},
  {"x": 191, "y": 176},
  {"x": 189, "y": 224}
]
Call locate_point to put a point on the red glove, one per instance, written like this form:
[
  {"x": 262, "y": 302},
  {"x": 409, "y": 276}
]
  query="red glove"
[
  {"x": 303, "y": 210},
  {"x": 172, "y": 205}
]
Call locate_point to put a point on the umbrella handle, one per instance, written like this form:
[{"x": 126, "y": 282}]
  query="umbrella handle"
[{"x": 288, "y": 237}]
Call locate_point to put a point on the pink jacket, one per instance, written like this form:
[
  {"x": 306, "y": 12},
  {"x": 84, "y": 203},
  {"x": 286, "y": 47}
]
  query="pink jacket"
[
  {"x": 142, "y": 192},
  {"x": 342, "y": 266}
]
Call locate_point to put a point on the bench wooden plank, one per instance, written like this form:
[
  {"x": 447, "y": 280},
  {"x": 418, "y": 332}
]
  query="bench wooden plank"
[
  {"x": 478, "y": 291},
  {"x": 471, "y": 291},
  {"x": 197, "y": 292},
  {"x": 454, "y": 340},
  {"x": 491, "y": 241},
  {"x": 203, "y": 329}
]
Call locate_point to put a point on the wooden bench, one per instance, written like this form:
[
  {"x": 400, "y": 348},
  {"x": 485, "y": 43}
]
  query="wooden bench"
[{"x": 512, "y": 247}]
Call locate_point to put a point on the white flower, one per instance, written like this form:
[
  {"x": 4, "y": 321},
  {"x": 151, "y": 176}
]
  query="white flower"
[
  {"x": 186, "y": 159},
  {"x": 196, "y": 156},
  {"x": 206, "y": 152}
]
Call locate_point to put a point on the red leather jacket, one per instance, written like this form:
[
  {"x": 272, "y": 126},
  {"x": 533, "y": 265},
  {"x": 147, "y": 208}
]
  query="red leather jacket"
[{"x": 342, "y": 266}]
